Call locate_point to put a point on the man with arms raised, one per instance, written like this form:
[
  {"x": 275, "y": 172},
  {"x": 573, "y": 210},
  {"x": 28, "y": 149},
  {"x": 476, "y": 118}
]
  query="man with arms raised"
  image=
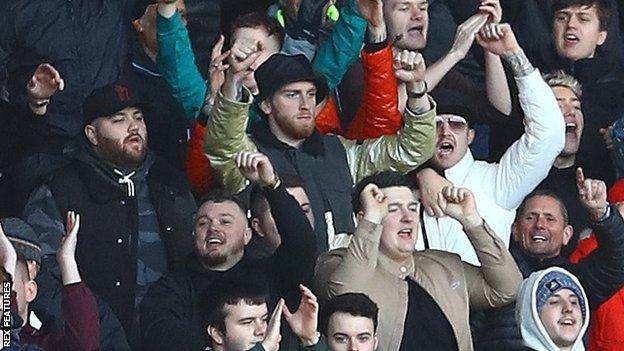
[{"x": 423, "y": 297}]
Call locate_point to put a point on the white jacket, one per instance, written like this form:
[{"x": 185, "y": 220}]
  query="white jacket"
[{"x": 499, "y": 188}]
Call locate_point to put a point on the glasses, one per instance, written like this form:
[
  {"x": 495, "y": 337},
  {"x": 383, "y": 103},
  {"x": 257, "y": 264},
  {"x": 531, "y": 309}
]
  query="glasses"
[{"x": 454, "y": 122}]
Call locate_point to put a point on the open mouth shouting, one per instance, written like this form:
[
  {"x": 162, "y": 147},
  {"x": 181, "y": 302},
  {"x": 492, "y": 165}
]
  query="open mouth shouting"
[
  {"x": 570, "y": 39},
  {"x": 445, "y": 148}
]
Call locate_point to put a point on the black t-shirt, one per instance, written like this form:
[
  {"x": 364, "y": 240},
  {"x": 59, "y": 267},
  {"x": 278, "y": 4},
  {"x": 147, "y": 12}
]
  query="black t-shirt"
[{"x": 426, "y": 327}]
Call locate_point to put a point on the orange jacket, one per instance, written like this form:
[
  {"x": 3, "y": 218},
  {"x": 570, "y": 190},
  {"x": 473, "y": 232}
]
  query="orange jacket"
[
  {"x": 376, "y": 117},
  {"x": 606, "y": 332}
]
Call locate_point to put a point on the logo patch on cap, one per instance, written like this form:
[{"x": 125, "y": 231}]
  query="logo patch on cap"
[
  {"x": 553, "y": 285},
  {"x": 122, "y": 92}
]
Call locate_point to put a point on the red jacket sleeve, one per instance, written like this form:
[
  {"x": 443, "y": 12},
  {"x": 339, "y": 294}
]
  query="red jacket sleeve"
[
  {"x": 328, "y": 120},
  {"x": 82, "y": 321},
  {"x": 197, "y": 165},
  {"x": 379, "y": 114}
]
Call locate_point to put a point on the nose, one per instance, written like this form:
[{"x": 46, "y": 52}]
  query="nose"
[
  {"x": 567, "y": 307},
  {"x": 407, "y": 215},
  {"x": 572, "y": 22},
  {"x": 540, "y": 222},
  {"x": 307, "y": 102},
  {"x": 417, "y": 13},
  {"x": 444, "y": 128},
  {"x": 261, "y": 327},
  {"x": 134, "y": 125},
  {"x": 353, "y": 345}
]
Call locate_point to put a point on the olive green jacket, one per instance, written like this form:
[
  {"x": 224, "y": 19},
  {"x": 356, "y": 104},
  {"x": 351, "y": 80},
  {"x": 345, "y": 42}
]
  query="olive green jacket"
[{"x": 226, "y": 135}]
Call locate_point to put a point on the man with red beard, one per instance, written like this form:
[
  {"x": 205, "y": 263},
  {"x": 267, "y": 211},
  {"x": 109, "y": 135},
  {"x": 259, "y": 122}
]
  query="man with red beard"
[
  {"x": 290, "y": 94},
  {"x": 136, "y": 209}
]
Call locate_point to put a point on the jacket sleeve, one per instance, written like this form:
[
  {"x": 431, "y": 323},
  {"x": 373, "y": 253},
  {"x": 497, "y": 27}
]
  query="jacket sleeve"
[
  {"x": 165, "y": 322},
  {"x": 497, "y": 281},
  {"x": 410, "y": 147},
  {"x": 602, "y": 272},
  {"x": 527, "y": 162},
  {"x": 226, "y": 136},
  {"x": 82, "y": 325},
  {"x": 177, "y": 64},
  {"x": 197, "y": 166},
  {"x": 343, "y": 46},
  {"x": 358, "y": 266},
  {"x": 379, "y": 113},
  {"x": 43, "y": 215},
  {"x": 294, "y": 259}
]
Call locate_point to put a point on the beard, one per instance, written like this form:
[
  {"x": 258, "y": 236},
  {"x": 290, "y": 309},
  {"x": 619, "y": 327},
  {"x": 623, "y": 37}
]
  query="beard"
[
  {"x": 295, "y": 130},
  {"x": 124, "y": 154}
]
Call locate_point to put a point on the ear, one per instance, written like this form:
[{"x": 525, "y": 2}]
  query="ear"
[
  {"x": 215, "y": 334},
  {"x": 91, "y": 134},
  {"x": 247, "y": 235},
  {"x": 255, "y": 225},
  {"x": 31, "y": 289},
  {"x": 137, "y": 25},
  {"x": 471, "y": 135},
  {"x": 359, "y": 215},
  {"x": 515, "y": 232},
  {"x": 602, "y": 36},
  {"x": 567, "y": 234},
  {"x": 265, "y": 107}
]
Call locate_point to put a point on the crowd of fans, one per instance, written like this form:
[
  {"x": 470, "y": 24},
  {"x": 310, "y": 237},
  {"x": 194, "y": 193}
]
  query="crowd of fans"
[{"x": 391, "y": 175}]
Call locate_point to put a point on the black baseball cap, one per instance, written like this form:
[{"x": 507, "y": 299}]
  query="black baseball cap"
[
  {"x": 110, "y": 99},
  {"x": 280, "y": 70}
]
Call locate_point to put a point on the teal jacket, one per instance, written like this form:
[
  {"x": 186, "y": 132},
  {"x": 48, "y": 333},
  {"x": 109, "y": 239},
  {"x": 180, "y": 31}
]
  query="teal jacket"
[{"x": 177, "y": 62}]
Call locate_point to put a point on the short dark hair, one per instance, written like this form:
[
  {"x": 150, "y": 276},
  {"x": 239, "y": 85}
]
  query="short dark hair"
[
  {"x": 384, "y": 179},
  {"x": 229, "y": 292},
  {"x": 542, "y": 192},
  {"x": 603, "y": 8},
  {"x": 219, "y": 195},
  {"x": 258, "y": 203},
  {"x": 258, "y": 20},
  {"x": 355, "y": 304}
]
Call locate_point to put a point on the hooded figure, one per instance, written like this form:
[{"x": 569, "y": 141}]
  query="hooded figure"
[{"x": 552, "y": 311}]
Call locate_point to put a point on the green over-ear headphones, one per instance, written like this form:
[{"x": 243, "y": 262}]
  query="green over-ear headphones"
[{"x": 332, "y": 13}]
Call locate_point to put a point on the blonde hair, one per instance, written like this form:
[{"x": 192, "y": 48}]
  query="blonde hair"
[{"x": 559, "y": 78}]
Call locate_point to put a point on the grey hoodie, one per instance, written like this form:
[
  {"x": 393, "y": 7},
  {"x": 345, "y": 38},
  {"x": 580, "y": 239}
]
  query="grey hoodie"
[{"x": 533, "y": 332}]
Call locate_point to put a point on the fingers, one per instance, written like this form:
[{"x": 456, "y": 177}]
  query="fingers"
[
  {"x": 580, "y": 179},
  {"x": 217, "y": 48},
  {"x": 274, "y": 325},
  {"x": 249, "y": 161}
]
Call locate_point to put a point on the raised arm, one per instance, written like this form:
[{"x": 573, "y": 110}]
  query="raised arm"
[
  {"x": 496, "y": 85},
  {"x": 496, "y": 282},
  {"x": 226, "y": 130},
  {"x": 343, "y": 46},
  {"x": 42, "y": 85},
  {"x": 527, "y": 161},
  {"x": 602, "y": 272},
  {"x": 177, "y": 61},
  {"x": 360, "y": 261},
  {"x": 464, "y": 38},
  {"x": 413, "y": 144},
  {"x": 80, "y": 309},
  {"x": 294, "y": 259}
]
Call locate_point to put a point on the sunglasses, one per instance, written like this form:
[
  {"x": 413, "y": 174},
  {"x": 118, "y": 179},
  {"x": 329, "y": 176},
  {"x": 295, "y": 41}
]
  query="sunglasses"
[{"x": 454, "y": 122}]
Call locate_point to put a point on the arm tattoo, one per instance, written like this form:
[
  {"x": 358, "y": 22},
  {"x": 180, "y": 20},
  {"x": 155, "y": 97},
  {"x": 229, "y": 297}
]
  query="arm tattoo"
[{"x": 519, "y": 63}]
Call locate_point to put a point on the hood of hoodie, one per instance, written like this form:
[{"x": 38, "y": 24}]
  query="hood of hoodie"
[
  {"x": 533, "y": 331},
  {"x": 108, "y": 173}
]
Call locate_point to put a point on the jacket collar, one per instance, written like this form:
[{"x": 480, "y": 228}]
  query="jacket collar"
[
  {"x": 313, "y": 145},
  {"x": 400, "y": 270},
  {"x": 103, "y": 181},
  {"x": 459, "y": 172}
]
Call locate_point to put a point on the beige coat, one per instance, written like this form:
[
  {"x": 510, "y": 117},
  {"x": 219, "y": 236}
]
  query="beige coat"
[{"x": 455, "y": 285}]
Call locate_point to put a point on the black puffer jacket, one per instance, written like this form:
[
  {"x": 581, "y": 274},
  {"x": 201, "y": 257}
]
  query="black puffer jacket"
[{"x": 601, "y": 274}]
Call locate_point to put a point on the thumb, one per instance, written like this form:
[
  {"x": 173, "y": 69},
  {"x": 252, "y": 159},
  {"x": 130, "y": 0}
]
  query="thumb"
[{"x": 286, "y": 313}]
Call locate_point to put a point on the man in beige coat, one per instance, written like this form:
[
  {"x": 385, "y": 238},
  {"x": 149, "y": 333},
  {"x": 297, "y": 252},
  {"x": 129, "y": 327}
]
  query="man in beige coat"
[{"x": 423, "y": 297}]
